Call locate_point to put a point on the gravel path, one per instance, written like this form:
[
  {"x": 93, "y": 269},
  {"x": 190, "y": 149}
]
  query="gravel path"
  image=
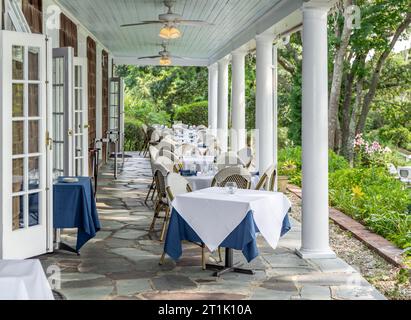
[{"x": 391, "y": 281}]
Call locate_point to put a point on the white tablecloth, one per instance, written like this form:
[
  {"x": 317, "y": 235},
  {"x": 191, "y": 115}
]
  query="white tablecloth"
[
  {"x": 200, "y": 162},
  {"x": 23, "y": 280},
  {"x": 213, "y": 213}
]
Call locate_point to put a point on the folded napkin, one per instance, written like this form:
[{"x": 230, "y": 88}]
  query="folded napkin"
[{"x": 188, "y": 173}]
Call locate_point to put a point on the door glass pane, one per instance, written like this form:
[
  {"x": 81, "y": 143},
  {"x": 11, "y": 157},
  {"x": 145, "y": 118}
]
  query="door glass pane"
[
  {"x": 33, "y": 136},
  {"x": 18, "y": 63},
  {"x": 18, "y": 175},
  {"x": 34, "y": 173},
  {"x": 34, "y": 100},
  {"x": 34, "y": 56},
  {"x": 18, "y": 137},
  {"x": 18, "y": 100},
  {"x": 79, "y": 167},
  {"x": 18, "y": 213},
  {"x": 34, "y": 216}
]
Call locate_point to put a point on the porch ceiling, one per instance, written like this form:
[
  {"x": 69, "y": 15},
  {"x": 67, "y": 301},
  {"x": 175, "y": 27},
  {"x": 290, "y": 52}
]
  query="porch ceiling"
[{"x": 236, "y": 23}]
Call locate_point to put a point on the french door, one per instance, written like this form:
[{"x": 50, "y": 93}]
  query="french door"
[
  {"x": 116, "y": 111},
  {"x": 80, "y": 118},
  {"x": 63, "y": 70},
  {"x": 24, "y": 221}
]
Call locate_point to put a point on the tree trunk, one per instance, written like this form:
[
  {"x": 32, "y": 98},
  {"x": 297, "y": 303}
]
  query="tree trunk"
[
  {"x": 353, "y": 121},
  {"x": 335, "y": 93},
  {"x": 377, "y": 74}
]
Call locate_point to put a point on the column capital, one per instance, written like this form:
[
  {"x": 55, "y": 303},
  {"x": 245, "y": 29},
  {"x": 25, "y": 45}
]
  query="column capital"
[
  {"x": 241, "y": 52},
  {"x": 316, "y": 8},
  {"x": 224, "y": 61},
  {"x": 213, "y": 67},
  {"x": 264, "y": 38}
]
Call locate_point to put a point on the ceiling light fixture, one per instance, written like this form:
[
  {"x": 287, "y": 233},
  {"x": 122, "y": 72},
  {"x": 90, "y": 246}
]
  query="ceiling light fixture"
[
  {"x": 170, "y": 32},
  {"x": 165, "y": 61}
]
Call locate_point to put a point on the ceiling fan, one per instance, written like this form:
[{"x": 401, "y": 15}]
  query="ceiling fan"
[
  {"x": 170, "y": 22},
  {"x": 164, "y": 55}
]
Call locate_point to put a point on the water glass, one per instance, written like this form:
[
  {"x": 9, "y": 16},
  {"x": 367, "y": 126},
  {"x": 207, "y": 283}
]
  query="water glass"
[{"x": 231, "y": 187}]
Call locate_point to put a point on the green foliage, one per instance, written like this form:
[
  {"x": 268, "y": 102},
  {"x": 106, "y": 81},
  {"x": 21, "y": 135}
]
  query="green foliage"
[
  {"x": 134, "y": 135},
  {"x": 399, "y": 136},
  {"x": 193, "y": 114},
  {"x": 376, "y": 199}
]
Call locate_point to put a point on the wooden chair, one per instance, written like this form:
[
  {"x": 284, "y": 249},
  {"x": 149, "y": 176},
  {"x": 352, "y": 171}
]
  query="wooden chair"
[
  {"x": 246, "y": 156},
  {"x": 177, "y": 185},
  {"x": 239, "y": 175},
  {"x": 267, "y": 180}
]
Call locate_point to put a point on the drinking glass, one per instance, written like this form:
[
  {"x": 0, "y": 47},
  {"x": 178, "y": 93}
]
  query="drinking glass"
[{"x": 231, "y": 187}]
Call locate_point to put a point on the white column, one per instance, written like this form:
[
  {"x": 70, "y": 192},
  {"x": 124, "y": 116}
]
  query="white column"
[
  {"x": 213, "y": 97},
  {"x": 238, "y": 93},
  {"x": 275, "y": 110},
  {"x": 264, "y": 103},
  {"x": 315, "y": 211},
  {"x": 223, "y": 103}
]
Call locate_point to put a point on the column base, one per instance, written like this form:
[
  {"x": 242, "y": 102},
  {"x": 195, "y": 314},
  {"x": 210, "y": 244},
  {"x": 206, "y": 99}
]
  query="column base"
[{"x": 315, "y": 255}]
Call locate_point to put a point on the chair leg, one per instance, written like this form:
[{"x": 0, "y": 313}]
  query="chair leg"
[
  {"x": 156, "y": 212},
  {"x": 149, "y": 192},
  {"x": 163, "y": 258},
  {"x": 220, "y": 256},
  {"x": 154, "y": 194},
  {"x": 203, "y": 262},
  {"x": 165, "y": 224}
]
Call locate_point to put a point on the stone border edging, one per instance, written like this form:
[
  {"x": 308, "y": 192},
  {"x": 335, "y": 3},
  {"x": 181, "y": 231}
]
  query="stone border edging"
[{"x": 377, "y": 243}]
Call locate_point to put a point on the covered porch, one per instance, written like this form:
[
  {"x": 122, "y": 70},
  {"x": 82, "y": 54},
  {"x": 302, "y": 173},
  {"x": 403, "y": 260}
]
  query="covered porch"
[{"x": 122, "y": 262}]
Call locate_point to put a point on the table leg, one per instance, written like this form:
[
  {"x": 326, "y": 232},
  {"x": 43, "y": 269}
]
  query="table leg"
[
  {"x": 59, "y": 245},
  {"x": 228, "y": 266}
]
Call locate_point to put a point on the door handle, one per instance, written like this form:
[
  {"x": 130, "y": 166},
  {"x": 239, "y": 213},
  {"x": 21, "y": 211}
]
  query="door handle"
[
  {"x": 49, "y": 141},
  {"x": 86, "y": 126}
]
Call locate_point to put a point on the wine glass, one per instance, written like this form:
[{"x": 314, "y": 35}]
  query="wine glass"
[{"x": 231, "y": 187}]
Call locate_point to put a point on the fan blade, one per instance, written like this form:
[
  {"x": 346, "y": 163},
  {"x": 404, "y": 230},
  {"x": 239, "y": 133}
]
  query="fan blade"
[
  {"x": 194, "y": 23},
  {"x": 182, "y": 58},
  {"x": 151, "y": 57},
  {"x": 143, "y": 23}
]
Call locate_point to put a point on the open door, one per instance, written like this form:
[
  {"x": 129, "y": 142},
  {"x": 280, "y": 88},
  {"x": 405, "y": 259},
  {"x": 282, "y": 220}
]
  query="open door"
[
  {"x": 80, "y": 118},
  {"x": 24, "y": 221},
  {"x": 63, "y": 133},
  {"x": 116, "y": 112}
]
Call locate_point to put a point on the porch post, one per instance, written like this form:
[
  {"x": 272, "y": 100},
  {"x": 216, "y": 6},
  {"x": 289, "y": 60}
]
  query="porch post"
[
  {"x": 264, "y": 102},
  {"x": 275, "y": 110},
  {"x": 223, "y": 103},
  {"x": 238, "y": 140},
  {"x": 212, "y": 97},
  {"x": 315, "y": 210}
]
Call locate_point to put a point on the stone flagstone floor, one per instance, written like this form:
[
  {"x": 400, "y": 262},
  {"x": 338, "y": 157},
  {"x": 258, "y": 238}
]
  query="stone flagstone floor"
[{"x": 122, "y": 261}]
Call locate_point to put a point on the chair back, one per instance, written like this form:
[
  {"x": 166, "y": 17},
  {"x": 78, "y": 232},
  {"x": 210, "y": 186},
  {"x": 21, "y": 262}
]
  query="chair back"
[
  {"x": 160, "y": 174},
  {"x": 165, "y": 162},
  {"x": 168, "y": 154},
  {"x": 154, "y": 154},
  {"x": 166, "y": 145},
  {"x": 267, "y": 180},
  {"x": 239, "y": 175},
  {"x": 228, "y": 159},
  {"x": 176, "y": 185},
  {"x": 246, "y": 156},
  {"x": 155, "y": 136}
]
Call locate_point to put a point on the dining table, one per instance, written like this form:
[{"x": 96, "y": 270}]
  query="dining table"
[
  {"x": 75, "y": 207},
  {"x": 217, "y": 218},
  {"x": 23, "y": 280}
]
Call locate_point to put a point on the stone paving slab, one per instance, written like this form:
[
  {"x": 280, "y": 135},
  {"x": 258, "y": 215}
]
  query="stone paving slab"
[{"x": 122, "y": 262}]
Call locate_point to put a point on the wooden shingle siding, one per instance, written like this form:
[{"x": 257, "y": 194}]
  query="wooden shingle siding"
[
  {"x": 32, "y": 10},
  {"x": 104, "y": 62},
  {"x": 68, "y": 34}
]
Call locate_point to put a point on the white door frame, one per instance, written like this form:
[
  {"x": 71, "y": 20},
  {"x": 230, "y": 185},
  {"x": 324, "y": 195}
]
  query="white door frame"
[
  {"x": 25, "y": 241},
  {"x": 83, "y": 64},
  {"x": 64, "y": 85}
]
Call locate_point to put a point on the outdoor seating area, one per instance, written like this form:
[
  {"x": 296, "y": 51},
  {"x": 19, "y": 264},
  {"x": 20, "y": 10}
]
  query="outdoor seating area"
[{"x": 254, "y": 157}]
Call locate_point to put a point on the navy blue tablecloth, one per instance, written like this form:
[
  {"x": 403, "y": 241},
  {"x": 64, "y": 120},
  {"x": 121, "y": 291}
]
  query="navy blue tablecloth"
[
  {"x": 75, "y": 207},
  {"x": 243, "y": 238}
]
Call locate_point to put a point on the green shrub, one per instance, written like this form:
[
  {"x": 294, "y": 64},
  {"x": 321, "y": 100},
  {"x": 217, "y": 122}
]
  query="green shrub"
[
  {"x": 399, "y": 137},
  {"x": 373, "y": 197},
  {"x": 133, "y": 135},
  {"x": 193, "y": 114}
]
